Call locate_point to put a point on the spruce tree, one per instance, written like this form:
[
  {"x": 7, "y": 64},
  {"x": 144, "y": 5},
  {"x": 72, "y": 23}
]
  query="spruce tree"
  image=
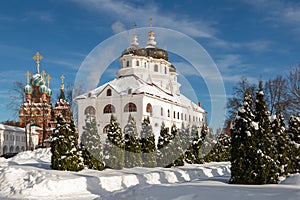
[
  {"x": 176, "y": 146},
  {"x": 294, "y": 134},
  {"x": 243, "y": 141},
  {"x": 185, "y": 137},
  {"x": 193, "y": 152},
  {"x": 148, "y": 147},
  {"x": 164, "y": 151},
  {"x": 206, "y": 143},
  {"x": 266, "y": 167},
  {"x": 132, "y": 145},
  {"x": 113, "y": 153},
  {"x": 91, "y": 145},
  {"x": 64, "y": 147}
]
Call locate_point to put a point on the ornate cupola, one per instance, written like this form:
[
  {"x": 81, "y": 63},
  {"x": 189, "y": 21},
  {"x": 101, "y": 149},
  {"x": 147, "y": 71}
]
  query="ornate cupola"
[
  {"x": 28, "y": 89},
  {"x": 134, "y": 43}
]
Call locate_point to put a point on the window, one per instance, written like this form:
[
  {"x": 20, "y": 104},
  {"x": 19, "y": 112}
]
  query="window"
[
  {"x": 137, "y": 63},
  {"x": 11, "y": 149},
  {"x": 181, "y": 116},
  {"x": 174, "y": 115},
  {"x": 130, "y": 107},
  {"x": 106, "y": 129},
  {"x": 17, "y": 149},
  {"x": 5, "y": 149},
  {"x": 90, "y": 110},
  {"x": 127, "y": 64},
  {"x": 165, "y": 70},
  {"x": 178, "y": 115},
  {"x": 129, "y": 91},
  {"x": 156, "y": 68},
  {"x": 168, "y": 113},
  {"x": 108, "y": 92},
  {"x": 109, "y": 109},
  {"x": 149, "y": 108},
  {"x": 161, "y": 111},
  {"x": 22, "y": 148}
]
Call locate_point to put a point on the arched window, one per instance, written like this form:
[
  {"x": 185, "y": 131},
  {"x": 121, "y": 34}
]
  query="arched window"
[
  {"x": 109, "y": 109},
  {"x": 156, "y": 68},
  {"x": 168, "y": 113},
  {"x": 108, "y": 92},
  {"x": 174, "y": 115},
  {"x": 130, "y": 107},
  {"x": 137, "y": 63},
  {"x": 22, "y": 148},
  {"x": 149, "y": 108},
  {"x": 165, "y": 70},
  {"x": 11, "y": 149},
  {"x": 129, "y": 91},
  {"x": 17, "y": 149},
  {"x": 181, "y": 116},
  {"x": 177, "y": 115},
  {"x": 161, "y": 111},
  {"x": 90, "y": 110},
  {"x": 106, "y": 129},
  {"x": 5, "y": 149},
  {"x": 127, "y": 63}
]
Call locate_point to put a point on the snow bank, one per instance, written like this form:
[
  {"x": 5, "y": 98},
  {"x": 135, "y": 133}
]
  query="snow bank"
[
  {"x": 28, "y": 175},
  {"x": 292, "y": 180}
]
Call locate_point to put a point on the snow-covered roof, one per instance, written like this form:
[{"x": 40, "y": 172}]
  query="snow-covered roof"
[
  {"x": 139, "y": 86},
  {"x": 11, "y": 128}
]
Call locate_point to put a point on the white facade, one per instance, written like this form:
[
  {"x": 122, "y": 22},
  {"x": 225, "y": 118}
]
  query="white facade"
[
  {"x": 12, "y": 139},
  {"x": 146, "y": 86}
]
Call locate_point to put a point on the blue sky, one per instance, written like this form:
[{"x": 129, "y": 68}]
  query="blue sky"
[{"x": 258, "y": 39}]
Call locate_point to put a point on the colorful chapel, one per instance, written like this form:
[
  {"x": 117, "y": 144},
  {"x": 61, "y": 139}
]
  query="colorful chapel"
[{"x": 37, "y": 109}]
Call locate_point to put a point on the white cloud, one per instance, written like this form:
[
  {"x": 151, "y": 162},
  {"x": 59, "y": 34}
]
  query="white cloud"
[
  {"x": 118, "y": 27},
  {"x": 141, "y": 14}
]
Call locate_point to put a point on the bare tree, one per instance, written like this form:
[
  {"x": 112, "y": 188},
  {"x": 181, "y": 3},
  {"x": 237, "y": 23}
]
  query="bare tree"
[
  {"x": 276, "y": 94},
  {"x": 293, "y": 88},
  {"x": 17, "y": 97},
  {"x": 235, "y": 101}
]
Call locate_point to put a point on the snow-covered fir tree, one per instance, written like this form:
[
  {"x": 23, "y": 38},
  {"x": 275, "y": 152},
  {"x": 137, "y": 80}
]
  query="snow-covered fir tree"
[
  {"x": 91, "y": 145},
  {"x": 163, "y": 149},
  {"x": 207, "y": 142},
  {"x": 176, "y": 146},
  {"x": 192, "y": 155},
  {"x": 294, "y": 134},
  {"x": 221, "y": 150},
  {"x": 185, "y": 136},
  {"x": 133, "y": 156},
  {"x": 243, "y": 144},
  {"x": 64, "y": 147},
  {"x": 148, "y": 147},
  {"x": 113, "y": 153},
  {"x": 282, "y": 143},
  {"x": 267, "y": 167}
]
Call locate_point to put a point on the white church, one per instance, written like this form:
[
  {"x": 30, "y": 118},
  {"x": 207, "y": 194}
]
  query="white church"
[{"x": 146, "y": 86}]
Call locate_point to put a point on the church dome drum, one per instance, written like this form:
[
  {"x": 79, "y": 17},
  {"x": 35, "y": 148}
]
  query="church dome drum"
[
  {"x": 28, "y": 89},
  {"x": 147, "y": 52},
  {"x": 49, "y": 92}
]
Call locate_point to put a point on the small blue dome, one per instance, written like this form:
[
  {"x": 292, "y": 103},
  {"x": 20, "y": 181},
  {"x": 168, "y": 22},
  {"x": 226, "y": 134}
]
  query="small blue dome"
[
  {"x": 28, "y": 89},
  {"x": 43, "y": 89}
]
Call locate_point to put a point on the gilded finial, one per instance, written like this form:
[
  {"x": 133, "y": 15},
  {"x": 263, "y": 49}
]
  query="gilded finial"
[
  {"x": 43, "y": 74},
  {"x": 62, "y": 85},
  {"x": 38, "y": 57},
  {"x": 134, "y": 28},
  {"x": 151, "y": 23},
  {"x": 27, "y": 75},
  {"x": 48, "y": 79}
]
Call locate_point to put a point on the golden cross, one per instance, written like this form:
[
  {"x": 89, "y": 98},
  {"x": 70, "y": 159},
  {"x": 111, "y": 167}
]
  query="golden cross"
[
  {"x": 38, "y": 57},
  {"x": 62, "y": 78},
  {"x": 151, "y": 23},
  {"x": 43, "y": 74},
  {"x": 48, "y": 78},
  {"x": 27, "y": 75}
]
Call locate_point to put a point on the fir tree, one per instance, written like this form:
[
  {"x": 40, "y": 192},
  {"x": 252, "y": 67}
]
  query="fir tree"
[
  {"x": 163, "y": 149},
  {"x": 132, "y": 145},
  {"x": 64, "y": 147},
  {"x": 185, "y": 137},
  {"x": 113, "y": 154},
  {"x": 221, "y": 150},
  {"x": 193, "y": 152},
  {"x": 294, "y": 134},
  {"x": 266, "y": 167},
  {"x": 148, "y": 147},
  {"x": 91, "y": 145},
  {"x": 243, "y": 141},
  {"x": 176, "y": 146},
  {"x": 282, "y": 144},
  {"x": 206, "y": 143}
]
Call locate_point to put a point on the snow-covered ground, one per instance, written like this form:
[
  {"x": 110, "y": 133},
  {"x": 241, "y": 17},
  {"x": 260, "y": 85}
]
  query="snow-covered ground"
[{"x": 28, "y": 175}]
